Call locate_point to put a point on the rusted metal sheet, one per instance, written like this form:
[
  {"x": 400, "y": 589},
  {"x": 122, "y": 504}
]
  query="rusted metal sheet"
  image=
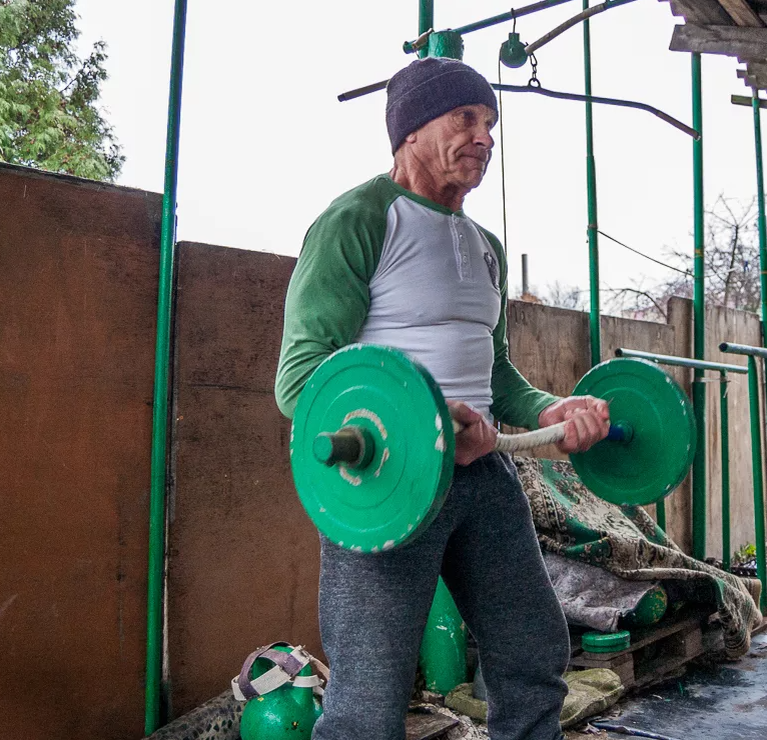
[
  {"x": 244, "y": 555},
  {"x": 78, "y": 275}
]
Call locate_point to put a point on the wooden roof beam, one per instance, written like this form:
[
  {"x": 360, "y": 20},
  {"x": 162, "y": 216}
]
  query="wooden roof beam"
[
  {"x": 750, "y": 80},
  {"x": 747, "y": 100},
  {"x": 734, "y": 41},
  {"x": 704, "y": 12},
  {"x": 742, "y": 13}
]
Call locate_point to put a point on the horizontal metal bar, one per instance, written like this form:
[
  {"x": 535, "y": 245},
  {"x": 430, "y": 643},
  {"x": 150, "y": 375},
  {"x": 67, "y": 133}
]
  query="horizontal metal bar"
[
  {"x": 604, "y": 101},
  {"x": 680, "y": 361},
  {"x": 360, "y": 91},
  {"x": 743, "y": 349},
  {"x": 410, "y": 46}
]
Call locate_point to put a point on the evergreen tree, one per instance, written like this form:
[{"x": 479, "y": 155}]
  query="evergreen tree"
[{"x": 49, "y": 116}]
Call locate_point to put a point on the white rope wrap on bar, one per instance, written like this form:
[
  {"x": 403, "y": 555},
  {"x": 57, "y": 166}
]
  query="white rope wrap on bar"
[{"x": 527, "y": 440}]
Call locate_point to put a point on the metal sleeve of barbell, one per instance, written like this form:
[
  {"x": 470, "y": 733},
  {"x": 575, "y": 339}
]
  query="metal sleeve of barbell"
[{"x": 526, "y": 440}]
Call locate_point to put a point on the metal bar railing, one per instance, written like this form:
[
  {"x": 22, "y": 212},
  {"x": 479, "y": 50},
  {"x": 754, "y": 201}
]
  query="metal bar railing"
[
  {"x": 680, "y": 361},
  {"x": 756, "y": 455},
  {"x": 722, "y": 369}
]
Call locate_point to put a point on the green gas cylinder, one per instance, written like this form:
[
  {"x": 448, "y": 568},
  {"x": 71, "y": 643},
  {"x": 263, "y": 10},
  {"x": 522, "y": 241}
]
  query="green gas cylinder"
[
  {"x": 287, "y": 709},
  {"x": 443, "y": 648}
]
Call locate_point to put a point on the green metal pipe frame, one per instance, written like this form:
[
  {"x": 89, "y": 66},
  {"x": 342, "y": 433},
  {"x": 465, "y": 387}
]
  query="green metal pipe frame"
[
  {"x": 756, "y": 464},
  {"x": 756, "y": 456},
  {"x": 699, "y": 328},
  {"x": 724, "y": 427},
  {"x": 595, "y": 333},
  {"x": 425, "y": 21},
  {"x": 410, "y": 46},
  {"x": 725, "y": 434},
  {"x": 537, "y": 90},
  {"x": 762, "y": 221},
  {"x": 156, "y": 565},
  {"x": 680, "y": 361}
]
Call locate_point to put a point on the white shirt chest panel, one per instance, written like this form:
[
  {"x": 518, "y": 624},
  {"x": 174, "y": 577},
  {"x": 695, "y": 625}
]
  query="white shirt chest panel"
[
  {"x": 435, "y": 295},
  {"x": 434, "y": 267}
]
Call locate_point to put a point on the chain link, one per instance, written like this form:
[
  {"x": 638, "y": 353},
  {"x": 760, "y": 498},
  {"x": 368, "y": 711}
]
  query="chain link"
[{"x": 534, "y": 81}]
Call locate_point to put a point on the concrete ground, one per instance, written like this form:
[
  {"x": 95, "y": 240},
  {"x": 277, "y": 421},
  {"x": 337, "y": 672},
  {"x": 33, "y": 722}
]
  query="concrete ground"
[{"x": 723, "y": 701}]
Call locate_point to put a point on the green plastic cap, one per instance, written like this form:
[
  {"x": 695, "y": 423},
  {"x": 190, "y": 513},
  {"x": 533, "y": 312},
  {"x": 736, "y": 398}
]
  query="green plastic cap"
[{"x": 599, "y": 642}]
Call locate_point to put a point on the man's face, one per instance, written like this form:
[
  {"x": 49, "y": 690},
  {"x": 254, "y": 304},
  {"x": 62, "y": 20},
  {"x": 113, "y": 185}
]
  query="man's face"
[{"x": 455, "y": 148}]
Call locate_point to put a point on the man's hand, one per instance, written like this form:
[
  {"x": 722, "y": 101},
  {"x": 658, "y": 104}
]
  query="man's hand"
[
  {"x": 477, "y": 437},
  {"x": 588, "y": 421}
]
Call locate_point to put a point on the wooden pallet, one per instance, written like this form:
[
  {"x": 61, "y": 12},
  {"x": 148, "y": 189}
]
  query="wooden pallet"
[
  {"x": 653, "y": 653},
  {"x": 761, "y": 628}
]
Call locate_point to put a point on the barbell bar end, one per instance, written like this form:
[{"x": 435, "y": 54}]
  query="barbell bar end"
[
  {"x": 351, "y": 445},
  {"x": 620, "y": 432}
]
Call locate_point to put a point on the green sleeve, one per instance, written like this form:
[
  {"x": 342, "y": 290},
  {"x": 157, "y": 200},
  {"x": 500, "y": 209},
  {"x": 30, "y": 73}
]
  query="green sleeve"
[
  {"x": 328, "y": 296},
  {"x": 515, "y": 401}
]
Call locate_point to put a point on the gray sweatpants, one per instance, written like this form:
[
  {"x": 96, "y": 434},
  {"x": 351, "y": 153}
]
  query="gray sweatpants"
[{"x": 373, "y": 610}]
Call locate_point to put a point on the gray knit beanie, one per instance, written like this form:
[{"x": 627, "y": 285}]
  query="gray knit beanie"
[{"x": 428, "y": 88}]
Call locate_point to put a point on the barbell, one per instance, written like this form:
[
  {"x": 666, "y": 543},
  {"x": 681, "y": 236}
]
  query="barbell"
[{"x": 372, "y": 443}]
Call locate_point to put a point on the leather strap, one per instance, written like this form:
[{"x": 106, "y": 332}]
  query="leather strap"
[{"x": 286, "y": 668}]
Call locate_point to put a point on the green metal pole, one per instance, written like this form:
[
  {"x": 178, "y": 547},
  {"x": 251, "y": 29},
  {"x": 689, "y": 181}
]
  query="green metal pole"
[
  {"x": 591, "y": 188},
  {"x": 660, "y": 514},
  {"x": 425, "y": 21},
  {"x": 699, "y": 327},
  {"x": 725, "y": 434},
  {"x": 760, "y": 197},
  {"x": 160, "y": 401},
  {"x": 756, "y": 455},
  {"x": 756, "y": 466}
]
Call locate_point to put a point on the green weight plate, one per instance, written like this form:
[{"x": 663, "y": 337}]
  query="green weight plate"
[
  {"x": 598, "y": 642},
  {"x": 657, "y": 458},
  {"x": 400, "y": 491}
]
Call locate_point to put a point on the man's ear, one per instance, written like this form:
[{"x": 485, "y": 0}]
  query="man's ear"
[{"x": 412, "y": 137}]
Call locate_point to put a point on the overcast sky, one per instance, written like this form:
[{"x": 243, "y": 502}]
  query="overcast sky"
[{"x": 265, "y": 145}]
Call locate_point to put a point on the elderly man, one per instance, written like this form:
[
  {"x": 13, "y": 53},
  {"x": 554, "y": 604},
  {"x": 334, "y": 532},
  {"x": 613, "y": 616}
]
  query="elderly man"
[{"x": 396, "y": 262}]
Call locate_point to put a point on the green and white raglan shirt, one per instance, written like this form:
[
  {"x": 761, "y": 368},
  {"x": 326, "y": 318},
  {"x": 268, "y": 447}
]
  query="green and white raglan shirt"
[{"x": 385, "y": 266}]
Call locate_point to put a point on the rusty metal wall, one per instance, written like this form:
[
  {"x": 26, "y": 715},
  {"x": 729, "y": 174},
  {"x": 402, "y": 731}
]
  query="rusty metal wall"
[
  {"x": 78, "y": 276},
  {"x": 244, "y": 555},
  {"x": 78, "y": 279}
]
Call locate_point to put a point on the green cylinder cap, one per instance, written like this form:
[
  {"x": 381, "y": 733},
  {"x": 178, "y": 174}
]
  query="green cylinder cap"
[{"x": 599, "y": 642}]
